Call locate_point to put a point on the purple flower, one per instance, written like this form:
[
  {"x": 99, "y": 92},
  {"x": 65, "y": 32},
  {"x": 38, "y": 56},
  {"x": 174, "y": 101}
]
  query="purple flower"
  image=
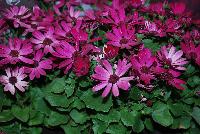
[
  {"x": 46, "y": 41},
  {"x": 143, "y": 66},
  {"x": 169, "y": 58},
  {"x": 121, "y": 37},
  {"x": 17, "y": 14},
  {"x": 16, "y": 51},
  {"x": 111, "y": 80},
  {"x": 39, "y": 66},
  {"x": 65, "y": 52},
  {"x": 14, "y": 79}
]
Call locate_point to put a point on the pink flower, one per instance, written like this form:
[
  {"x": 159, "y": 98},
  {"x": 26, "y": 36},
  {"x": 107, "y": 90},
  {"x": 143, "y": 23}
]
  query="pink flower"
[
  {"x": 62, "y": 30},
  {"x": 17, "y": 14},
  {"x": 39, "y": 66},
  {"x": 169, "y": 58},
  {"x": 191, "y": 51},
  {"x": 111, "y": 80},
  {"x": 46, "y": 41},
  {"x": 157, "y": 8},
  {"x": 121, "y": 37},
  {"x": 171, "y": 77},
  {"x": 14, "y": 79},
  {"x": 16, "y": 51},
  {"x": 178, "y": 8},
  {"x": 65, "y": 52},
  {"x": 143, "y": 66},
  {"x": 137, "y": 3}
]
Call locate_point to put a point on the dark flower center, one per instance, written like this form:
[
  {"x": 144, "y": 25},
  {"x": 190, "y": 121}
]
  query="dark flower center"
[
  {"x": 167, "y": 63},
  {"x": 145, "y": 69},
  {"x": 166, "y": 76},
  {"x": 12, "y": 80},
  {"x": 36, "y": 64},
  {"x": 14, "y": 53},
  {"x": 123, "y": 41},
  {"x": 47, "y": 41},
  {"x": 193, "y": 55},
  {"x": 34, "y": 26},
  {"x": 113, "y": 79}
]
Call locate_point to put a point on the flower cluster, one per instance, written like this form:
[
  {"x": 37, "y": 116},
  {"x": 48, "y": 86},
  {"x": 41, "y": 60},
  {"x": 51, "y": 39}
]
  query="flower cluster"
[{"x": 74, "y": 34}]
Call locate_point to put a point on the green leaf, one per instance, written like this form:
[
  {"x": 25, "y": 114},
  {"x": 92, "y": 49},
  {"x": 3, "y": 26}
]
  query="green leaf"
[
  {"x": 95, "y": 102},
  {"x": 57, "y": 85},
  {"x": 99, "y": 127},
  {"x": 57, "y": 100},
  {"x": 162, "y": 116},
  {"x": 149, "y": 124},
  {"x": 6, "y": 116},
  {"x": 196, "y": 114},
  {"x": 132, "y": 119},
  {"x": 78, "y": 104},
  {"x": 176, "y": 109},
  {"x": 194, "y": 81},
  {"x": 56, "y": 119},
  {"x": 20, "y": 113},
  {"x": 112, "y": 116},
  {"x": 70, "y": 129},
  {"x": 116, "y": 129},
  {"x": 69, "y": 89},
  {"x": 78, "y": 117},
  {"x": 37, "y": 119},
  {"x": 151, "y": 45}
]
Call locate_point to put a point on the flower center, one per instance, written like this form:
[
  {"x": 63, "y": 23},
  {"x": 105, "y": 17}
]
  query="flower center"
[
  {"x": 14, "y": 53},
  {"x": 123, "y": 41},
  {"x": 166, "y": 76},
  {"x": 36, "y": 64},
  {"x": 193, "y": 55},
  {"x": 12, "y": 80},
  {"x": 113, "y": 79},
  {"x": 145, "y": 69},
  {"x": 167, "y": 63},
  {"x": 34, "y": 26},
  {"x": 47, "y": 41}
]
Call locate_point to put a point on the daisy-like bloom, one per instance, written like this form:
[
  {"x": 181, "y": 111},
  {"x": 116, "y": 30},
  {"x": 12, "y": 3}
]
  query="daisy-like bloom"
[
  {"x": 14, "y": 79},
  {"x": 171, "y": 77},
  {"x": 169, "y": 58},
  {"x": 121, "y": 37},
  {"x": 191, "y": 51},
  {"x": 65, "y": 51},
  {"x": 143, "y": 66},
  {"x": 17, "y": 15},
  {"x": 62, "y": 30},
  {"x": 111, "y": 80},
  {"x": 45, "y": 41},
  {"x": 16, "y": 51},
  {"x": 39, "y": 66}
]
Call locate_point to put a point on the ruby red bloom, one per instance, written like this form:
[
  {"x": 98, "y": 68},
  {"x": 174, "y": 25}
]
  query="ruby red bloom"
[
  {"x": 178, "y": 8},
  {"x": 16, "y": 51},
  {"x": 81, "y": 65},
  {"x": 110, "y": 51}
]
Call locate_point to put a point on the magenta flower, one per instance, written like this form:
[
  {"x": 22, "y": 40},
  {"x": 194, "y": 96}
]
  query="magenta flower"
[
  {"x": 45, "y": 41},
  {"x": 110, "y": 80},
  {"x": 191, "y": 51},
  {"x": 16, "y": 51},
  {"x": 17, "y": 14},
  {"x": 171, "y": 77},
  {"x": 169, "y": 58},
  {"x": 178, "y": 8},
  {"x": 65, "y": 51},
  {"x": 14, "y": 79},
  {"x": 39, "y": 66},
  {"x": 143, "y": 66},
  {"x": 121, "y": 37}
]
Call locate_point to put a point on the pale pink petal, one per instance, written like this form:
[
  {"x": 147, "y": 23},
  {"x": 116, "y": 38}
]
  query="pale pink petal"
[
  {"x": 10, "y": 87},
  {"x": 123, "y": 84},
  {"x": 108, "y": 67},
  {"x": 19, "y": 87},
  {"x": 115, "y": 90},
  {"x": 99, "y": 86},
  {"x": 107, "y": 90}
]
